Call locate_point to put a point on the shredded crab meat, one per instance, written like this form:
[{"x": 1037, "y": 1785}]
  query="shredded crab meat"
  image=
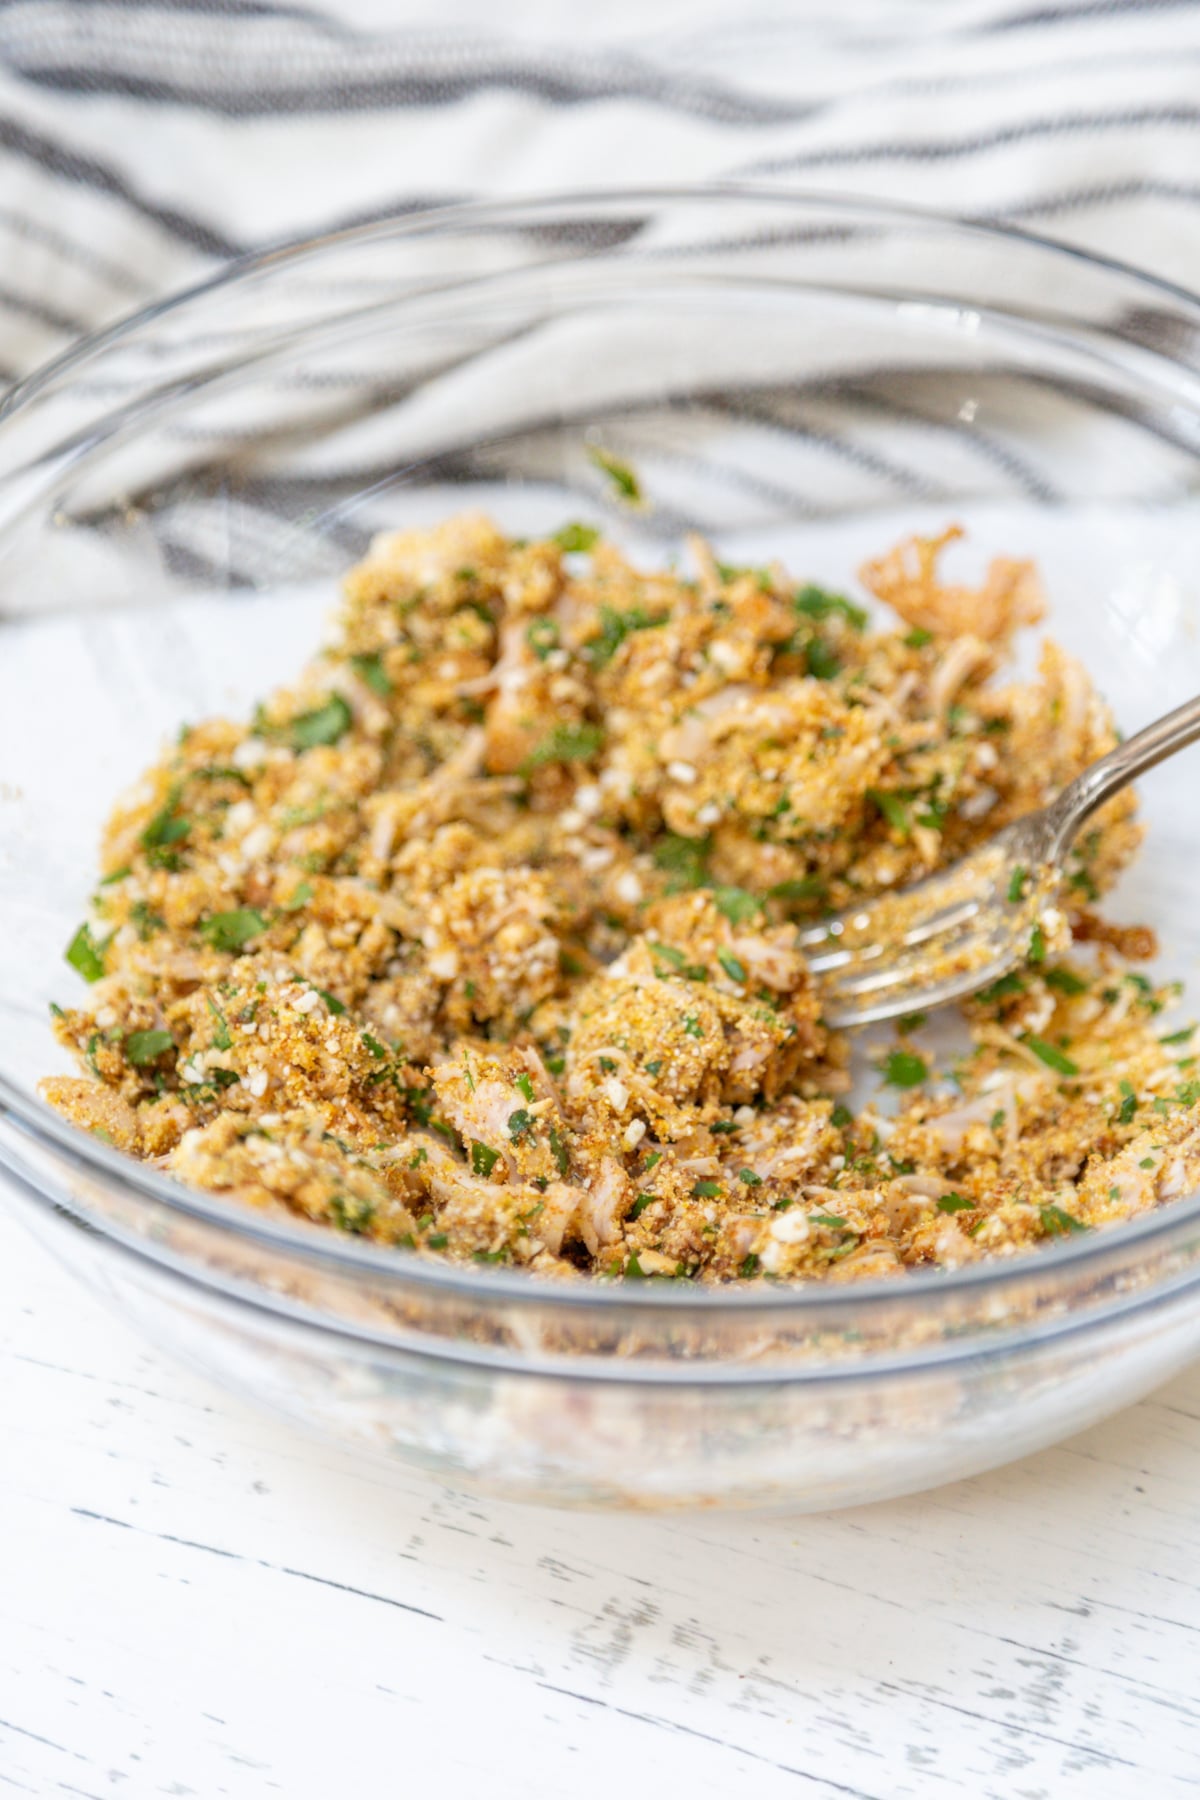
[{"x": 481, "y": 939}]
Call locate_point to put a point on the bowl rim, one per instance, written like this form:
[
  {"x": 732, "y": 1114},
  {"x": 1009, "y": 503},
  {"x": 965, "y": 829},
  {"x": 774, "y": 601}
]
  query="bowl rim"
[{"x": 350, "y": 1256}]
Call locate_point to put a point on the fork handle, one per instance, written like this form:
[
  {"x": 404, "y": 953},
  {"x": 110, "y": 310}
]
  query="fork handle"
[{"x": 1103, "y": 779}]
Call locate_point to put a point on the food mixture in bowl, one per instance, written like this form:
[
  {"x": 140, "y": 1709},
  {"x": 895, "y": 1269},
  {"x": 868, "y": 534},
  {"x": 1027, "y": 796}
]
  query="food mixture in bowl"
[{"x": 480, "y": 939}]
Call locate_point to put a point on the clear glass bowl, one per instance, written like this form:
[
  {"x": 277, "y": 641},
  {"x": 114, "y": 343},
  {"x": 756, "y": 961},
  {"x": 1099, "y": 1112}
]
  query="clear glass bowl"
[{"x": 790, "y": 374}]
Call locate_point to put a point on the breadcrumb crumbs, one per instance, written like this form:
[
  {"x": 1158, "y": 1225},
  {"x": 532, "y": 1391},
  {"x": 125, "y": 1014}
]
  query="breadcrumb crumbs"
[{"x": 481, "y": 938}]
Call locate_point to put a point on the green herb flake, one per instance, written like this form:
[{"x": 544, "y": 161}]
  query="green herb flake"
[
  {"x": 1065, "y": 981},
  {"x": 619, "y": 473},
  {"x": 142, "y": 1047},
  {"x": 692, "y": 1026},
  {"x": 749, "y": 1177},
  {"x": 370, "y": 670},
  {"x": 684, "y": 860},
  {"x": 823, "y": 662},
  {"x": 737, "y": 905},
  {"x": 1179, "y": 1037},
  {"x": 542, "y": 637},
  {"x": 520, "y": 1124},
  {"x": 558, "y": 1151},
  {"x": 893, "y": 809},
  {"x": 735, "y": 970},
  {"x": 807, "y": 887},
  {"x": 655, "y": 1156},
  {"x": 705, "y": 1190},
  {"x": 221, "y": 1037},
  {"x": 834, "y": 1221},
  {"x": 841, "y": 1117},
  {"x": 326, "y": 724},
  {"x": 437, "y": 1240},
  {"x": 524, "y": 1086},
  {"x": 953, "y": 1203},
  {"x": 85, "y": 955},
  {"x": 1016, "y": 886},
  {"x": 749, "y": 1265},
  {"x": 918, "y": 637},
  {"x": 640, "y": 1204},
  {"x": 575, "y": 539},
  {"x": 905, "y": 1069},
  {"x": 1129, "y": 1104},
  {"x": 819, "y": 603},
  {"x": 615, "y": 627},
  {"x": 1058, "y": 1223},
  {"x": 483, "y": 1158},
  {"x": 233, "y": 930},
  {"x": 1147, "y": 1162},
  {"x": 167, "y": 826},
  {"x": 1037, "y": 945},
  {"x": 566, "y": 743},
  {"x": 1050, "y": 1055},
  {"x": 115, "y": 876},
  {"x": 1002, "y": 990}
]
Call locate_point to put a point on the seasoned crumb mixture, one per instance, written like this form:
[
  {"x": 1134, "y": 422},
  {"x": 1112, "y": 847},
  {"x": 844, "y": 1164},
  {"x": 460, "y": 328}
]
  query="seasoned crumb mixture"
[{"x": 481, "y": 939}]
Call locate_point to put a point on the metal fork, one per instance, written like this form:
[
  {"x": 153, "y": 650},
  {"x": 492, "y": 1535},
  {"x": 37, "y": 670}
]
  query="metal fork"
[{"x": 963, "y": 928}]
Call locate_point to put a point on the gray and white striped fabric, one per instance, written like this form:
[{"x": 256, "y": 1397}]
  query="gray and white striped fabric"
[{"x": 142, "y": 141}]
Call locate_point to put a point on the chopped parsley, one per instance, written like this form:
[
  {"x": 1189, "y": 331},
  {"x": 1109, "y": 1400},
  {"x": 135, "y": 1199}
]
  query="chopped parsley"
[
  {"x": 233, "y": 930},
  {"x": 819, "y": 603},
  {"x": 542, "y": 637},
  {"x": 575, "y": 539},
  {"x": 1001, "y": 990},
  {"x": 85, "y": 955},
  {"x": 823, "y": 662},
  {"x": 1059, "y": 1223},
  {"x": 893, "y": 809},
  {"x": 221, "y": 1037},
  {"x": 1050, "y": 1055},
  {"x": 142, "y": 1047},
  {"x": 520, "y": 1124},
  {"x": 738, "y": 906},
  {"x": 685, "y": 860},
  {"x": 370, "y": 670},
  {"x": 735, "y": 970},
  {"x": 807, "y": 887},
  {"x": 615, "y": 627},
  {"x": 953, "y": 1203},
  {"x": 566, "y": 743},
  {"x": 326, "y": 724},
  {"x": 1016, "y": 886},
  {"x": 905, "y": 1069},
  {"x": 1065, "y": 981},
  {"x": 619, "y": 473},
  {"x": 483, "y": 1158}
]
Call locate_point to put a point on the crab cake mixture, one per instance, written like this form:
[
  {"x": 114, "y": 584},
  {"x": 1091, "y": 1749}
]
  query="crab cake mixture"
[{"x": 481, "y": 938}]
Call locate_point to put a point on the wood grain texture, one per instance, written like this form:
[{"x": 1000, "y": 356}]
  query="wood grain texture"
[{"x": 198, "y": 1601}]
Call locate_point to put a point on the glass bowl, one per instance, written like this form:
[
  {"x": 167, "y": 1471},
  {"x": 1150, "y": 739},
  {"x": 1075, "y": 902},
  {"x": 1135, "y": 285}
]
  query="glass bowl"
[{"x": 791, "y": 374}]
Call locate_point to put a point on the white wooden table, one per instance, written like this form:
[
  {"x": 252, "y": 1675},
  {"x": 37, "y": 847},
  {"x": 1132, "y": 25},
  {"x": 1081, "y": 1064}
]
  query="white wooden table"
[{"x": 197, "y": 1601}]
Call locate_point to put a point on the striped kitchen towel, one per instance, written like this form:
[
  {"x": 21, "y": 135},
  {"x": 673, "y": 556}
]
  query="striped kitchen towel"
[{"x": 142, "y": 141}]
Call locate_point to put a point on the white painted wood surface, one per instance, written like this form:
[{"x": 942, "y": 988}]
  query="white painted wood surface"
[{"x": 197, "y": 1601}]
